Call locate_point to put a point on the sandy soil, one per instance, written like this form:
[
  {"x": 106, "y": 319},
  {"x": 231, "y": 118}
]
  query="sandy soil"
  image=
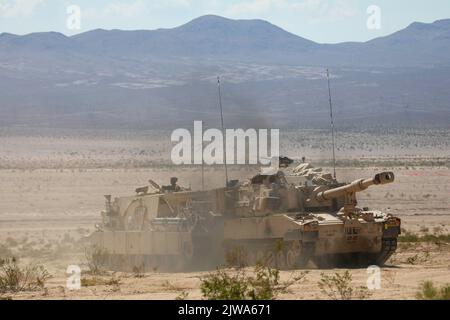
[
  {"x": 45, "y": 213},
  {"x": 52, "y": 194}
]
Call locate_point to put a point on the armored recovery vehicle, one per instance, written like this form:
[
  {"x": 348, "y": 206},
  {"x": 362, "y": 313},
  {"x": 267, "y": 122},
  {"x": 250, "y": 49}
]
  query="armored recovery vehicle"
[{"x": 282, "y": 219}]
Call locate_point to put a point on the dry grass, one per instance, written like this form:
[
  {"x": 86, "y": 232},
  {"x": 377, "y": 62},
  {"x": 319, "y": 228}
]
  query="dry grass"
[
  {"x": 95, "y": 259},
  {"x": 14, "y": 278},
  {"x": 98, "y": 281}
]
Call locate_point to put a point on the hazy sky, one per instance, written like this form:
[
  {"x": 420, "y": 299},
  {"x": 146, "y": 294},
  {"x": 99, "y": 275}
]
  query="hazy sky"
[{"x": 318, "y": 20}]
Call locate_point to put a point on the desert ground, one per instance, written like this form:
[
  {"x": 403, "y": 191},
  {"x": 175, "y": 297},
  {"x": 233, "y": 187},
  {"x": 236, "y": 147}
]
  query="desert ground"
[{"x": 53, "y": 185}]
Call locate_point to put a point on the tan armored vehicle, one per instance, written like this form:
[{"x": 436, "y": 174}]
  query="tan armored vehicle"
[
  {"x": 288, "y": 220},
  {"x": 284, "y": 219},
  {"x": 164, "y": 227}
]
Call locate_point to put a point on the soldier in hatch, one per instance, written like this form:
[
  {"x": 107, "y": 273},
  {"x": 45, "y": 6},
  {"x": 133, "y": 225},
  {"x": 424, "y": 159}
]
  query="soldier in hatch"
[{"x": 173, "y": 187}]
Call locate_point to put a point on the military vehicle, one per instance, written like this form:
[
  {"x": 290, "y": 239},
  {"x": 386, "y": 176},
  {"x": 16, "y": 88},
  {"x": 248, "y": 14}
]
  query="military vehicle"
[
  {"x": 285, "y": 219},
  {"x": 290, "y": 220},
  {"x": 168, "y": 227}
]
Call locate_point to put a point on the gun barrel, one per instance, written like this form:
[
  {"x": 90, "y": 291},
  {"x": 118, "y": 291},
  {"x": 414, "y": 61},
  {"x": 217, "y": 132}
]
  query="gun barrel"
[
  {"x": 154, "y": 184},
  {"x": 356, "y": 186}
]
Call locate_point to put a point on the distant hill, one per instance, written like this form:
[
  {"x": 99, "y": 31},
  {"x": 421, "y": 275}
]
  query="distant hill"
[
  {"x": 215, "y": 37},
  {"x": 166, "y": 77},
  {"x": 418, "y": 45},
  {"x": 206, "y": 36}
]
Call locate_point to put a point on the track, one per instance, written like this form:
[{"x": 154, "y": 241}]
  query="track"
[{"x": 388, "y": 247}]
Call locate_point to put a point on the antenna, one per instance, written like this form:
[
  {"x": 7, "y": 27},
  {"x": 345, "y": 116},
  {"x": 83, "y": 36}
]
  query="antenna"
[
  {"x": 332, "y": 124},
  {"x": 203, "y": 168},
  {"x": 223, "y": 131}
]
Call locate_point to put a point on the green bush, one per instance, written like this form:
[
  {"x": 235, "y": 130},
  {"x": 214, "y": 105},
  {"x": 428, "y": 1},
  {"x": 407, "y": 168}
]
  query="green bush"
[
  {"x": 408, "y": 237},
  {"x": 411, "y": 237},
  {"x": 428, "y": 291},
  {"x": 237, "y": 285},
  {"x": 339, "y": 287}
]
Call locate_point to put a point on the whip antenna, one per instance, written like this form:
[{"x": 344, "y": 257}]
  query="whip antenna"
[
  {"x": 203, "y": 168},
  {"x": 332, "y": 124},
  {"x": 223, "y": 131}
]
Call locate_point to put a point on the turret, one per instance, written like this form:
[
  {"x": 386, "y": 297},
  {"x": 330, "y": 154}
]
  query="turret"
[{"x": 348, "y": 192}]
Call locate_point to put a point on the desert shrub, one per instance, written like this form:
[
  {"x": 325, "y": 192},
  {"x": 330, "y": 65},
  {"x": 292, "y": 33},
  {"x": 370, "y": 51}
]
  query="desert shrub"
[
  {"x": 427, "y": 291},
  {"x": 266, "y": 285},
  {"x": 413, "y": 259},
  {"x": 223, "y": 286},
  {"x": 408, "y": 237},
  {"x": 96, "y": 259},
  {"x": 139, "y": 271},
  {"x": 436, "y": 238},
  {"x": 237, "y": 285},
  {"x": 339, "y": 287},
  {"x": 97, "y": 281},
  {"x": 182, "y": 296},
  {"x": 14, "y": 278}
]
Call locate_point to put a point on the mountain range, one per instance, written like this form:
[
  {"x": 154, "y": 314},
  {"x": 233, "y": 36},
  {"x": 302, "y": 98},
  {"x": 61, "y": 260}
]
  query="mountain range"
[{"x": 167, "y": 77}]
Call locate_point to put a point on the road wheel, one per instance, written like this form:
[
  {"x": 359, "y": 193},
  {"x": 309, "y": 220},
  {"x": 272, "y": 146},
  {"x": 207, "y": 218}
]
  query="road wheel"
[
  {"x": 291, "y": 259},
  {"x": 271, "y": 259},
  {"x": 305, "y": 254},
  {"x": 298, "y": 255},
  {"x": 281, "y": 260}
]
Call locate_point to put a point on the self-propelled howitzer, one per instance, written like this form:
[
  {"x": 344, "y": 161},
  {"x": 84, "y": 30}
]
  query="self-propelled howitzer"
[{"x": 289, "y": 220}]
